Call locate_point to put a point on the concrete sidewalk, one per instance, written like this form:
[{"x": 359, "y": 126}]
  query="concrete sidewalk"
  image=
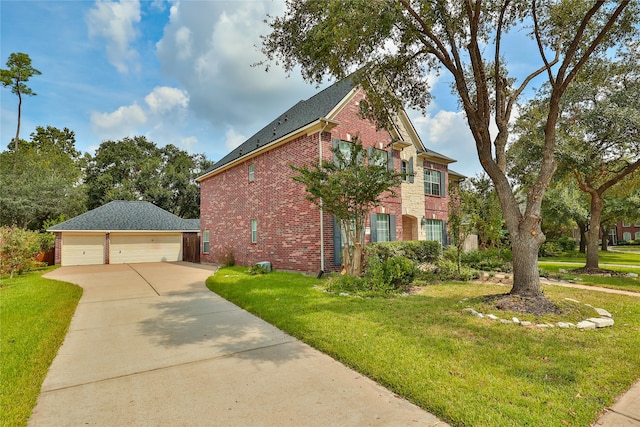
[
  {"x": 150, "y": 345},
  {"x": 625, "y": 412}
]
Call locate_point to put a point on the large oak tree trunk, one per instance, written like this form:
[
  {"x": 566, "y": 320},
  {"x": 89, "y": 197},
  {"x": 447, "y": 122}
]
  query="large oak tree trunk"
[{"x": 526, "y": 277}]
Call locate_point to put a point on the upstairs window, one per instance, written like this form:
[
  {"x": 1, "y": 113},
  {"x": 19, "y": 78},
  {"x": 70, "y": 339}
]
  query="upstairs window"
[
  {"x": 433, "y": 182},
  {"x": 404, "y": 167},
  {"x": 251, "y": 172}
]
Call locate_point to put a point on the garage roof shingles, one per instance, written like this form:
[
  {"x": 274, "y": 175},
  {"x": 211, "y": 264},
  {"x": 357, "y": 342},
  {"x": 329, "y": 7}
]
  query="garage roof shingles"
[{"x": 120, "y": 215}]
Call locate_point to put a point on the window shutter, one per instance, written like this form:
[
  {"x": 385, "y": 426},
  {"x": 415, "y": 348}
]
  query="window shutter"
[
  {"x": 390, "y": 160},
  {"x": 392, "y": 228},
  {"x": 442, "y": 189},
  {"x": 337, "y": 243},
  {"x": 445, "y": 240},
  {"x": 373, "y": 227},
  {"x": 411, "y": 175}
]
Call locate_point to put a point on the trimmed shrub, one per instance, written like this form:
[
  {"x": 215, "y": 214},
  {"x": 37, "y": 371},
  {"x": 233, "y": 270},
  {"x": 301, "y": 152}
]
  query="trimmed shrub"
[
  {"x": 390, "y": 275},
  {"x": 417, "y": 251}
]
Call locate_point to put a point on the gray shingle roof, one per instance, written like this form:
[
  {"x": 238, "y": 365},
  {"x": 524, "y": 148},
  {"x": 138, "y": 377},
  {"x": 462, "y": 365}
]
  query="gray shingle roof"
[
  {"x": 298, "y": 116},
  {"x": 127, "y": 216}
]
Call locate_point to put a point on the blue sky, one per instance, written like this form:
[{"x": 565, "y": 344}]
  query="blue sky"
[{"x": 175, "y": 71}]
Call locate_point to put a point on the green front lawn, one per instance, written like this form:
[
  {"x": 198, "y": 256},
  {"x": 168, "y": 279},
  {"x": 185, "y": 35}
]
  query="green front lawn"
[
  {"x": 616, "y": 282},
  {"x": 466, "y": 370},
  {"x": 34, "y": 317},
  {"x": 608, "y": 257}
]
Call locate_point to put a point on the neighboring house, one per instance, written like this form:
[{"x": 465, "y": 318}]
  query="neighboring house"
[
  {"x": 250, "y": 205},
  {"x": 624, "y": 231},
  {"x": 124, "y": 232}
]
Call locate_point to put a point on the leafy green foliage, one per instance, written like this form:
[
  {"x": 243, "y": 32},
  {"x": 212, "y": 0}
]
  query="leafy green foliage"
[
  {"x": 389, "y": 275},
  {"x": 419, "y": 251},
  {"x": 18, "y": 247},
  {"x": 137, "y": 169},
  {"x": 42, "y": 180}
]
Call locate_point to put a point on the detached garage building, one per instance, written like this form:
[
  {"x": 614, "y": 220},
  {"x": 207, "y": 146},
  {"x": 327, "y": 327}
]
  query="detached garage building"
[{"x": 124, "y": 232}]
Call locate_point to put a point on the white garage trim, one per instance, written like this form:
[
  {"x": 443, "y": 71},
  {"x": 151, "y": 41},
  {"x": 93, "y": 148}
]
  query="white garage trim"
[
  {"x": 82, "y": 249},
  {"x": 130, "y": 248}
]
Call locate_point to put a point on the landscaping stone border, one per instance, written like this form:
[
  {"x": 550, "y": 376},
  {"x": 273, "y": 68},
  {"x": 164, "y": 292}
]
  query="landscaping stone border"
[{"x": 592, "y": 323}]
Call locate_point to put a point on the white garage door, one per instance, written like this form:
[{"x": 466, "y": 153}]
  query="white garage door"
[
  {"x": 82, "y": 249},
  {"x": 131, "y": 248}
]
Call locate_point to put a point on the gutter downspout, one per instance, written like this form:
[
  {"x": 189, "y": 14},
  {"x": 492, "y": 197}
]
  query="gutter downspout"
[{"x": 326, "y": 123}]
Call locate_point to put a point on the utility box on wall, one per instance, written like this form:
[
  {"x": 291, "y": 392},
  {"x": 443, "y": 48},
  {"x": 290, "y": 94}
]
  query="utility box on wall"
[{"x": 266, "y": 265}]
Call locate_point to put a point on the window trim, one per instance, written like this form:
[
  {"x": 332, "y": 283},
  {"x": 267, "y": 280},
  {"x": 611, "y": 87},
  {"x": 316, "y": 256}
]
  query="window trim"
[
  {"x": 254, "y": 231},
  {"x": 430, "y": 183},
  {"x": 432, "y": 225},
  {"x": 206, "y": 242}
]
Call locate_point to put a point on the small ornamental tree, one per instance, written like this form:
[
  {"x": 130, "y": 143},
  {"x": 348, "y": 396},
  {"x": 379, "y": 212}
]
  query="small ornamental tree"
[
  {"x": 349, "y": 188},
  {"x": 18, "y": 247}
]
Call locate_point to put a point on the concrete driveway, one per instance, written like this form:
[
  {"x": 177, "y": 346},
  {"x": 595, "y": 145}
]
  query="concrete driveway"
[{"x": 150, "y": 345}]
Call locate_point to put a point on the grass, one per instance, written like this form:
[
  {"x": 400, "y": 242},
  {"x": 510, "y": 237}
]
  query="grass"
[
  {"x": 617, "y": 282},
  {"x": 34, "y": 317},
  {"x": 608, "y": 257},
  {"x": 465, "y": 370}
]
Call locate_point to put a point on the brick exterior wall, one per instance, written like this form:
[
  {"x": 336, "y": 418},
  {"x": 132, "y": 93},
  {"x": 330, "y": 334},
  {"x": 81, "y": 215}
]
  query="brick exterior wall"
[
  {"x": 58, "y": 256},
  {"x": 288, "y": 226}
]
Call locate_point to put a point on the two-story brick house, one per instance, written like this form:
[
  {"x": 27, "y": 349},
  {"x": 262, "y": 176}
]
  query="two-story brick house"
[{"x": 251, "y": 206}]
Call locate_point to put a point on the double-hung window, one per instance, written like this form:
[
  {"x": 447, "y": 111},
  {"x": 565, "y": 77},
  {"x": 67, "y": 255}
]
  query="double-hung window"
[
  {"x": 205, "y": 241},
  {"x": 383, "y": 227},
  {"x": 432, "y": 182},
  {"x": 252, "y": 175},
  {"x": 434, "y": 230},
  {"x": 254, "y": 231}
]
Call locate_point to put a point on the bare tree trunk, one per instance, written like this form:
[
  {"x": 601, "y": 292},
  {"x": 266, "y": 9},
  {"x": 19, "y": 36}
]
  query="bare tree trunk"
[
  {"x": 15, "y": 141},
  {"x": 593, "y": 235},
  {"x": 583, "y": 239},
  {"x": 604, "y": 242}
]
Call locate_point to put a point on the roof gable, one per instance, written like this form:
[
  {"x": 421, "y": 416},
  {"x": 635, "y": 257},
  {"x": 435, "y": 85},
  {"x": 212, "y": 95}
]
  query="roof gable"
[
  {"x": 120, "y": 215},
  {"x": 300, "y": 115}
]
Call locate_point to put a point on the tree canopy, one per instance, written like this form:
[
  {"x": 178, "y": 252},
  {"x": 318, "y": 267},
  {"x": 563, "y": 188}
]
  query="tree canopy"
[
  {"x": 18, "y": 72},
  {"x": 394, "y": 46},
  {"x": 598, "y": 134},
  {"x": 137, "y": 169},
  {"x": 42, "y": 180}
]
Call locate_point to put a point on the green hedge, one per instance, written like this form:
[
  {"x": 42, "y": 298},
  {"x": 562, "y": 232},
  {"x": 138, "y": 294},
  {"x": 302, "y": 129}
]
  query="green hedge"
[{"x": 417, "y": 251}]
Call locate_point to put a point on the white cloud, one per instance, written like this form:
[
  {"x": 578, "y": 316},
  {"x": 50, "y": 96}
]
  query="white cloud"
[
  {"x": 233, "y": 139},
  {"x": 208, "y": 47},
  {"x": 122, "y": 122},
  {"x": 161, "y": 118},
  {"x": 115, "y": 22},
  {"x": 164, "y": 99},
  {"x": 447, "y": 132}
]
